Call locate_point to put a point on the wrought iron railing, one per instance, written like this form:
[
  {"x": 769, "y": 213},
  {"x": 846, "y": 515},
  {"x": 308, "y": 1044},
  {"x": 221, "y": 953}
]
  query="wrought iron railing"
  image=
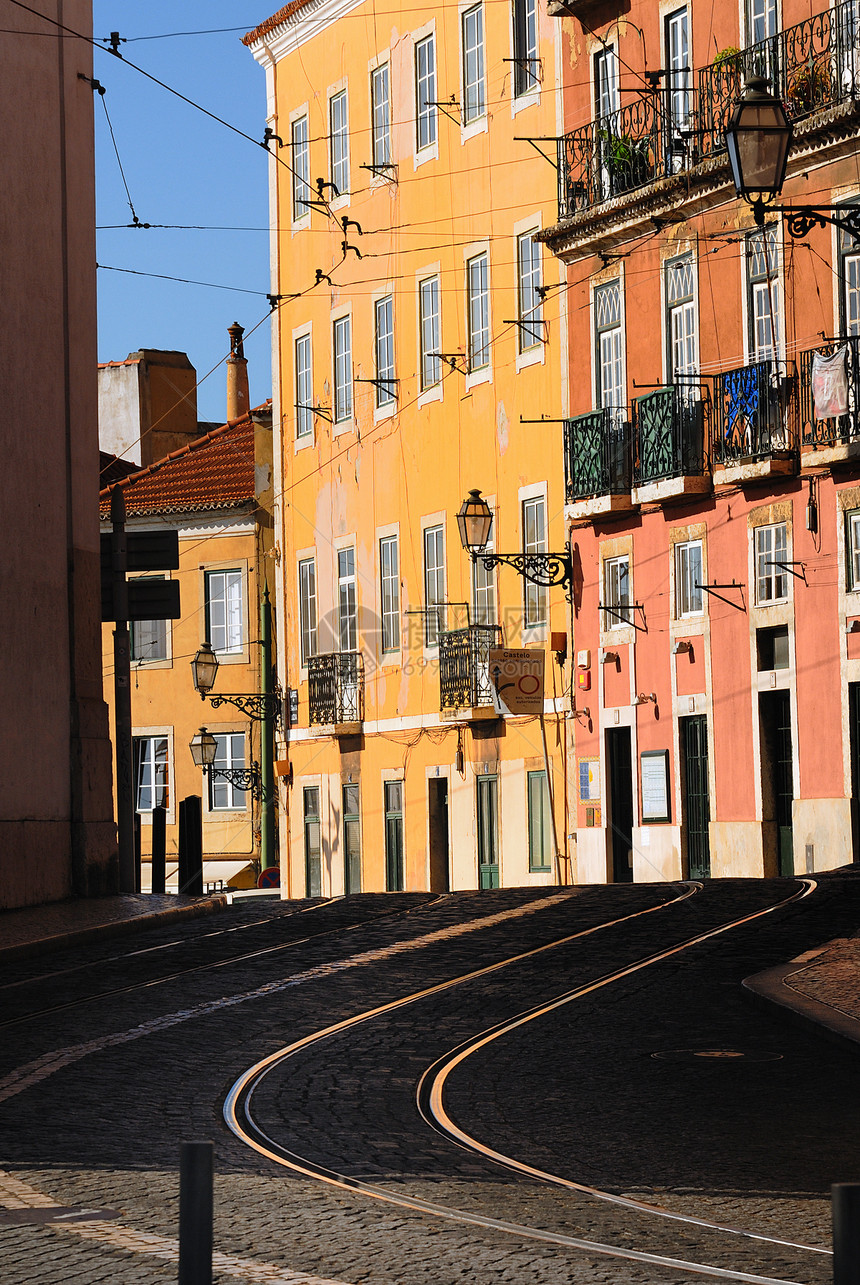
[
  {"x": 810, "y": 66},
  {"x": 669, "y": 438},
  {"x": 464, "y": 666},
  {"x": 336, "y": 688},
  {"x": 597, "y": 454},
  {"x": 829, "y": 392},
  {"x": 751, "y": 418}
]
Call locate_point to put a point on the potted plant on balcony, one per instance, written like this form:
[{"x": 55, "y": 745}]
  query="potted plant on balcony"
[
  {"x": 809, "y": 87},
  {"x": 627, "y": 160}
]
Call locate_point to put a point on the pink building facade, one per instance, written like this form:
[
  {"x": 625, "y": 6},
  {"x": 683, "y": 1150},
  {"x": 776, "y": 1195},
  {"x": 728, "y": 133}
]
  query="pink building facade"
[
  {"x": 57, "y": 835},
  {"x": 712, "y": 445}
]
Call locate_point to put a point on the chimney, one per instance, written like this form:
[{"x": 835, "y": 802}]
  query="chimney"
[{"x": 238, "y": 400}]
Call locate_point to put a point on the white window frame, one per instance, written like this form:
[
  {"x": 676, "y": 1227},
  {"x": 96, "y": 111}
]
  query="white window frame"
[
  {"x": 389, "y": 592},
  {"x": 343, "y": 406},
  {"x": 223, "y": 795},
  {"x": 303, "y": 387},
  {"x": 347, "y": 599},
  {"x": 852, "y": 550},
  {"x": 429, "y": 332},
  {"x": 533, "y": 518},
  {"x": 338, "y": 142},
  {"x": 433, "y": 543},
  {"x": 380, "y": 116},
  {"x": 689, "y": 601},
  {"x": 526, "y": 68},
  {"x": 530, "y": 331},
  {"x": 682, "y": 321},
  {"x": 474, "y": 75},
  {"x": 383, "y": 349},
  {"x": 617, "y": 598},
  {"x": 770, "y": 542},
  {"x": 230, "y": 631},
  {"x": 306, "y": 577},
  {"x": 301, "y": 165},
  {"x": 478, "y": 316},
  {"x": 426, "y": 119},
  {"x": 158, "y": 631},
  {"x": 764, "y": 295},
  {"x": 159, "y": 755}
]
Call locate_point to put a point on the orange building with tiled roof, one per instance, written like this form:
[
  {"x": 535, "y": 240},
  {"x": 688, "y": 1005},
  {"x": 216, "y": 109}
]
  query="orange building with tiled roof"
[{"x": 214, "y": 491}]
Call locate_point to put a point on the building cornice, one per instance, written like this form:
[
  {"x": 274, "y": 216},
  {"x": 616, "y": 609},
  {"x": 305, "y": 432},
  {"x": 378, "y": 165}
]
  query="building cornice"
[{"x": 299, "y": 24}]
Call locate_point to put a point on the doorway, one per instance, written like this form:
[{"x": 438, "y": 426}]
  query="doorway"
[
  {"x": 854, "y": 743},
  {"x": 777, "y": 777},
  {"x": 488, "y": 832},
  {"x": 620, "y": 816},
  {"x": 313, "y": 859},
  {"x": 437, "y": 814},
  {"x": 697, "y": 803}
]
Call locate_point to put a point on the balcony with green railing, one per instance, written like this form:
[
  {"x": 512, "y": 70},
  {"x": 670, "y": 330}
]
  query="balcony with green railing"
[
  {"x": 597, "y": 461},
  {"x": 670, "y": 435}
]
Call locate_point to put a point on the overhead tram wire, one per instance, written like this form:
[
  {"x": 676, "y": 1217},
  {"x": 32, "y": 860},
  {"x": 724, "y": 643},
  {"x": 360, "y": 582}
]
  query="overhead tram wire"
[{"x": 96, "y": 44}]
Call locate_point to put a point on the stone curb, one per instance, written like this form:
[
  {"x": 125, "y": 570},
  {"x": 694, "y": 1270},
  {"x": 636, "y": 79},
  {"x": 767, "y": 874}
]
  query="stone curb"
[
  {"x": 114, "y": 928},
  {"x": 773, "y": 988}
]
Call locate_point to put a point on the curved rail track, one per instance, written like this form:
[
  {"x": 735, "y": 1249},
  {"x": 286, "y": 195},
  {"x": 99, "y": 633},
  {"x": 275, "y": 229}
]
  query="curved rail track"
[{"x": 238, "y": 1109}]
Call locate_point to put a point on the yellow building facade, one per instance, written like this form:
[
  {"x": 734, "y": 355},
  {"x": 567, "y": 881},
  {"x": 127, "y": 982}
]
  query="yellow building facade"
[{"x": 419, "y": 342}]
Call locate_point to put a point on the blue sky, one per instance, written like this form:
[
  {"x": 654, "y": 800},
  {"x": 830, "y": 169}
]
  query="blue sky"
[{"x": 183, "y": 168}]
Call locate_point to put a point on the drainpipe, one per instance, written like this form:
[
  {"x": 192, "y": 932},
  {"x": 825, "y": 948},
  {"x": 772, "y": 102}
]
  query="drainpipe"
[{"x": 267, "y": 746}]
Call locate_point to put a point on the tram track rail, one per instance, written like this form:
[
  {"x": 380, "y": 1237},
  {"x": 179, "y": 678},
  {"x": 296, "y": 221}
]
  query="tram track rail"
[{"x": 238, "y": 1106}]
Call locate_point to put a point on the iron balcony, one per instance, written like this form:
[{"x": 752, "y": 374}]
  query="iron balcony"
[
  {"x": 464, "y": 667},
  {"x": 336, "y": 689}
]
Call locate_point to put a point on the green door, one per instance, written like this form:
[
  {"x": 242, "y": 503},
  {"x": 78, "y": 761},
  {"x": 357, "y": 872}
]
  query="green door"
[
  {"x": 313, "y": 862},
  {"x": 393, "y": 792},
  {"x": 697, "y": 804},
  {"x": 488, "y": 832},
  {"x": 351, "y": 840}
]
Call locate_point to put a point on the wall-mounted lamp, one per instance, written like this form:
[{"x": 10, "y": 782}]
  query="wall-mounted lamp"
[
  {"x": 609, "y": 658},
  {"x": 682, "y": 647},
  {"x": 583, "y": 713},
  {"x": 643, "y": 699}
]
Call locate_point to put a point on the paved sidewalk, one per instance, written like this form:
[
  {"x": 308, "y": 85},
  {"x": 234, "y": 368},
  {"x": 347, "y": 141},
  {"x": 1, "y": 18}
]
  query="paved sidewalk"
[
  {"x": 821, "y": 987},
  {"x": 38, "y": 930}
]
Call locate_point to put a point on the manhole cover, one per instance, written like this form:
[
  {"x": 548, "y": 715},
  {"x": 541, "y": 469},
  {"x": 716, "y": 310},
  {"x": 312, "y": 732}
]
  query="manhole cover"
[{"x": 718, "y": 1055}]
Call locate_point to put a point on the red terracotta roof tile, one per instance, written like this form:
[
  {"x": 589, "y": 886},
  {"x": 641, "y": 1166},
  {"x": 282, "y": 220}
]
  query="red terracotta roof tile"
[
  {"x": 215, "y": 471},
  {"x": 275, "y": 21}
]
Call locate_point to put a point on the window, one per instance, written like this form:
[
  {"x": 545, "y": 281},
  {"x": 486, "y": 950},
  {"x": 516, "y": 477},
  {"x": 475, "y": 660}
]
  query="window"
[
  {"x": 474, "y": 104},
  {"x": 347, "y": 613},
  {"x": 429, "y": 325},
  {"x": 307, "y": 609},
  {"x": 224, "y": 614},
  {"x": 771, "y": 549},
  {"x": 339, "y": 142},
  {"x": 609, "y": 348},
  {"x": 681, "y": 331},
  {"x": 380, "y": 106},
  {"x": 534, "y": 541},
  {"x": 389, "y": 585},
  {"x": 301, "y": 168},
  {"x": 351, "y": 839},
  {"x": 434, "y": 583},
  {"x": 849, "y": 279},
  {"x": 304, "y": 388},
  {"x": 148, "y": 637},
  {"x": 606, "y": 98},
  {"x": 765, "y": 329},
  {"x": 852, "y": 549},
  {"x": 526, "y": 64},
  {"x": 484, "y": 588},
  {"x": 688, "y": 579},
  {"x": 772, "y": 651},
  {"x": 151, "y": 776},
  {"x": 677, "y": 64},
  {"x": 384, "y": 345},
  {"x": 342, "y": 353},
  {"x": 530, "y": 304},
  {"x": 393, "y": 802},
  {"x": 616, "y": 593},
  {"x": 540, "y": 824},
  {"x": 425, "y": 92},
  {"x": 478, "y": 304},
  {"x": 761, "y": 21},
  {"x": 229, "y": 754}
]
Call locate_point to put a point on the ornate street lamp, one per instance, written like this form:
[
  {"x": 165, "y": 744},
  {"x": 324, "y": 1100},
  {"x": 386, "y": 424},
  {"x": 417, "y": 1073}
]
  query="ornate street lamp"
[
  {"x": 262, "y": 707},
  {"x": 474, "y": 521},
  {"x": 758, "y": 139},
  {"x": 203, "y": 748},
  {"x": 204, "y": 667}
]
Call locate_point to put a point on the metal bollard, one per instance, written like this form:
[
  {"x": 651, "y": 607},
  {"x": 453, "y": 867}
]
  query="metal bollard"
[
  {"x": 196, "y": 1170},
  {"x": 845, "y": 1198},
  {"x": 159, "y": 849}
]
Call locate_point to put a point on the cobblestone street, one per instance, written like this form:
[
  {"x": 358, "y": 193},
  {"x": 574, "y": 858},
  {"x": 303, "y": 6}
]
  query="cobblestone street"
[{"x": 115, "y": 1052}]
